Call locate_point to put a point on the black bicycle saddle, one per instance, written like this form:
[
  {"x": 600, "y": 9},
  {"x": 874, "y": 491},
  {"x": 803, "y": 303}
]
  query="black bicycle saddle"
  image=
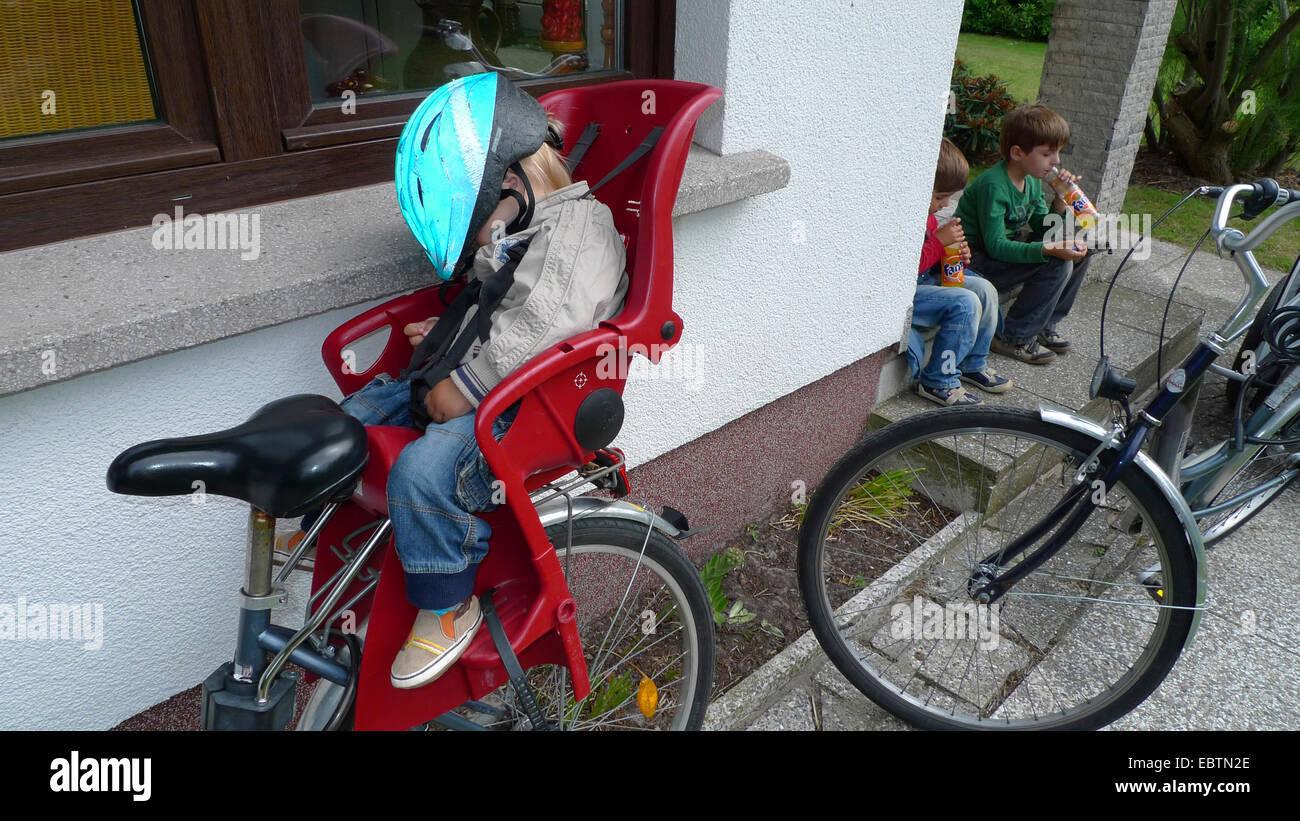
[{"x": 291, "y": 456}]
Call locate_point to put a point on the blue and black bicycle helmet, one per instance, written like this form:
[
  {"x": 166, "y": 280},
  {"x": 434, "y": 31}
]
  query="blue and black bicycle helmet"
[{"x": 452, "y": 159}]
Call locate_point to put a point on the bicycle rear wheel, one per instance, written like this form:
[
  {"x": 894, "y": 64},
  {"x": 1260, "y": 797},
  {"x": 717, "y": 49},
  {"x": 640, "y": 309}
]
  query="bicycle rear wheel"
[
  {"x": 646, "y": 629},
  {"x": 643, "y": 615},
  {"x": 896, "y": 532}
]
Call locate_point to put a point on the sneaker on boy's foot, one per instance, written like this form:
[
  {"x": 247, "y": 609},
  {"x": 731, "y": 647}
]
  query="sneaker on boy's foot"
[
  {"x": 286, "y": 542},
  {"x": 988, "y": 380},
  {"x": 435, "y": 643},
  {"x": 1054, "y": 342},
  {"x": 1029, "y": 353},
  {"x": 948, "y": 397}
]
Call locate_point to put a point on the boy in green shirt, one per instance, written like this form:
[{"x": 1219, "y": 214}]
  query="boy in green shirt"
[{"x": 1005, "y": 217}]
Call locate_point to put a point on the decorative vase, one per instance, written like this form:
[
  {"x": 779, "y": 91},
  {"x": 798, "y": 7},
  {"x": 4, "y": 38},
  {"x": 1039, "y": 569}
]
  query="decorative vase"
[{"x": 563, "y": 27}]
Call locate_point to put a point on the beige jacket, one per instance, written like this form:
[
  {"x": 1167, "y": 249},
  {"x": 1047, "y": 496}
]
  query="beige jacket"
[{"x": 570, "y": 280}]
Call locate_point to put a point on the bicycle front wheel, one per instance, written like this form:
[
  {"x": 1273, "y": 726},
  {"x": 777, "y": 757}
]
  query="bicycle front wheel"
[
  {"x": 914, "y": 516},
  {"x": 646, "y": 629}
]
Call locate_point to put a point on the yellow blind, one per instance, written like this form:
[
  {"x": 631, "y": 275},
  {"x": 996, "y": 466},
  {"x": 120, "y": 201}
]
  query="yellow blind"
[{"x": 70, "y": 64}]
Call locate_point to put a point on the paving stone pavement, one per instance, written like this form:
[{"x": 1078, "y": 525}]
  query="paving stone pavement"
[{"x": 1242, "y": 671}]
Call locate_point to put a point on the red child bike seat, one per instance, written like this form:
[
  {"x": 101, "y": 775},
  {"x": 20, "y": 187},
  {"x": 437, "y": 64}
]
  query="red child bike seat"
[{"x": 570, "y": 406}]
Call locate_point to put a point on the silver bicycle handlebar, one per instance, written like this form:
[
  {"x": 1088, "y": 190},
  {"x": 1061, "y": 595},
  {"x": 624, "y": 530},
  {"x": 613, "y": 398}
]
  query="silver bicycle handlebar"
[{"x": 1240, "y": 246}]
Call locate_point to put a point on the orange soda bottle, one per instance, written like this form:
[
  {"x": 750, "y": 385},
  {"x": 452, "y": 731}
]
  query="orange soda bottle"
[
  {"x": 1085, "y": 214},
  {"x": 953, "y": 272}
]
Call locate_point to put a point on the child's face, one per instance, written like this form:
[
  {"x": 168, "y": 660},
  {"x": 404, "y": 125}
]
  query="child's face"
[
  {"x": 939, "y": 200},
  {"x": 1038, "y": 162}
]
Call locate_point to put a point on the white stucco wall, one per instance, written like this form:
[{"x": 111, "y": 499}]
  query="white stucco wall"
[
  {"x": 775, "y": 292},
  {"x": 166, "y": 571},
  {"x": 781, "y": 290}
]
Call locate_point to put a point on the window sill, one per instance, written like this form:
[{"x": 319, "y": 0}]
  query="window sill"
[{"x": 112, "y": 299}]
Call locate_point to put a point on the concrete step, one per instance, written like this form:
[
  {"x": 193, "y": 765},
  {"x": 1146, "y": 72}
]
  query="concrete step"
[{"x": 1132, "y": 335}]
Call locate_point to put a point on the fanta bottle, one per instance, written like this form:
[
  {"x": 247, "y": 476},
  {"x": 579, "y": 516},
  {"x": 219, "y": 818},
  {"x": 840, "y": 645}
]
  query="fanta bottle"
[
  {"x": 1085, "y": 214},
  {"x": 953, "y": 272}
]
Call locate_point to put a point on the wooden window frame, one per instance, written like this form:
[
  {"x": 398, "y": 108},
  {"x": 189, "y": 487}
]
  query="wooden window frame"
[
  {"x": 44, "y": 161},
  {"x": 233, "y": 137}
]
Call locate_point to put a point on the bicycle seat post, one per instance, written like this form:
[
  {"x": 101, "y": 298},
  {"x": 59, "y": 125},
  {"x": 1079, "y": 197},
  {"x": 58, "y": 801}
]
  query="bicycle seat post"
[{"x": 255, "y": 597}]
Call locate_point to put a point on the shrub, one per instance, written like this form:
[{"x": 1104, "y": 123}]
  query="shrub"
[
  {"x": 981, "y": 103},
  {"x": 1023, "y": 19}
]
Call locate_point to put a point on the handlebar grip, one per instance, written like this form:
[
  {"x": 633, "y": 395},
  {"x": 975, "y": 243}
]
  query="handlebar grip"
[{"x": 1266, "y": 194}]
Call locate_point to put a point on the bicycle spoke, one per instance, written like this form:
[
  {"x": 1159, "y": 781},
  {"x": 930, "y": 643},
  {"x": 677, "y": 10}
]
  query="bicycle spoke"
[{"x": 1064, "y": 643}]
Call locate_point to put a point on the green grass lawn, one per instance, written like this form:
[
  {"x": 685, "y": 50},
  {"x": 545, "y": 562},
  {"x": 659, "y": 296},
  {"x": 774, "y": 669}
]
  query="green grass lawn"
[
  {"x": 1018, "y": 62},
  {"x": 1185, "y": 226}
]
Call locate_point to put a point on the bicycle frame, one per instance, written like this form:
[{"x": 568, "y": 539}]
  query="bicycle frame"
[
  {"x": 1206, "y": 473},
  {"x": 1078, "y": 505},
  {"x": 358, "y": 573}
]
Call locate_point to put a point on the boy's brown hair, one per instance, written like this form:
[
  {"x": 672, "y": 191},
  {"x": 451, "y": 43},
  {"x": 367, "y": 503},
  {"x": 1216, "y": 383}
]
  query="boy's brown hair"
[
  {"x": 1030, "y": 126},
  {"x": 953, "y": 170}
]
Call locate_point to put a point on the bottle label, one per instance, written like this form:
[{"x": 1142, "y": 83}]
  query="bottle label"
[{"x": 954, "y": 270}]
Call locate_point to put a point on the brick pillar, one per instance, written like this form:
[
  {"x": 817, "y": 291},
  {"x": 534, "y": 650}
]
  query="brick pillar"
[{"x": 1099, "y": 71}]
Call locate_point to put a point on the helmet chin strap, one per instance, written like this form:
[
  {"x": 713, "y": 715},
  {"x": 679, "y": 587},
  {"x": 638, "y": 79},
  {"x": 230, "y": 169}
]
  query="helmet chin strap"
[{"x": 525, "y": 215}]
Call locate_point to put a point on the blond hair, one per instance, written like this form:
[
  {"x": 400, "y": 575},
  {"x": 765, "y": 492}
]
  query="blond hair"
[{"x": 545, "y": 167}]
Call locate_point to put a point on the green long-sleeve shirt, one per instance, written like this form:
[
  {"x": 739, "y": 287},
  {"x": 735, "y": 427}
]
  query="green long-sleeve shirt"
[{"x": 992, "y": 210}]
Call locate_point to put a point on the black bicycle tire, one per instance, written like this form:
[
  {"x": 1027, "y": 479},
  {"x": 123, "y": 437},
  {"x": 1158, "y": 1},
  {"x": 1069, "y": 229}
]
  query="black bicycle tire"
[
  {"x": 1211, "y": 541},
  {"x": 595, "y": 529},
  {"x": 1180, "y": 581},
  {"x": 663, "y": 551}
]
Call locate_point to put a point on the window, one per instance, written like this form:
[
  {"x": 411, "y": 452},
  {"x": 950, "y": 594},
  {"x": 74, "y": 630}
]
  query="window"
[{"x": 117, "y": 110}]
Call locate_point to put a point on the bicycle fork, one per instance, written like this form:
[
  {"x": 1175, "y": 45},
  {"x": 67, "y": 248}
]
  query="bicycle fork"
[{"x": 987, "y": 586}]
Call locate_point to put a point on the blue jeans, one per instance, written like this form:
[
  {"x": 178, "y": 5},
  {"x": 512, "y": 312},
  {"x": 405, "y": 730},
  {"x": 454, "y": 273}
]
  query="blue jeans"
[
  {"x": 1048, "y": 295},
  {"x": 436, "y": 485},
  {"x": 967, "y": 318}
]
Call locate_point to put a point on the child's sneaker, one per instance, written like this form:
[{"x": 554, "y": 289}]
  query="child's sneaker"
[
  {"x": 988, "y": 380},
  {"x": 1028, "y": 353},
  {"x": 1054, "y": 342},
  {"x": 286, "y": 542},
  {"x": 435, "y": 643},
  {"x": 948, "y": 397}
]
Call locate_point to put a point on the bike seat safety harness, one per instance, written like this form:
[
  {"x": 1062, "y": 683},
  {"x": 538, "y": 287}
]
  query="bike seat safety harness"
[{"x": 442, "y": 350}]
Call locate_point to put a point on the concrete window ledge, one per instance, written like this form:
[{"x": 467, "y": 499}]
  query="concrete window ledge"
[{"x": 90, "y": 304}]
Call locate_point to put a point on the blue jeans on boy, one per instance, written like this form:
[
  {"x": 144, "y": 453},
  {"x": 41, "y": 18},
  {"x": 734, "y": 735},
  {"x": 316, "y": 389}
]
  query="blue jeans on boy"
[
  {"x": 436, "y": 485},
  {"x": 967, "y": 318},
  {"x": 1048, "y": 295}
]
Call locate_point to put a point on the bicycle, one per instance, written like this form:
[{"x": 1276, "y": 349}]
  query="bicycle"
[
  {"x": 1000, "y": 568},
  {"x": 595, "y": 617}
]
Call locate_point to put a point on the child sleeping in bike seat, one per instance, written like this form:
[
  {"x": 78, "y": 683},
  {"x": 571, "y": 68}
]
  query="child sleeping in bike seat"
[{"x": 484, "y": 190}]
